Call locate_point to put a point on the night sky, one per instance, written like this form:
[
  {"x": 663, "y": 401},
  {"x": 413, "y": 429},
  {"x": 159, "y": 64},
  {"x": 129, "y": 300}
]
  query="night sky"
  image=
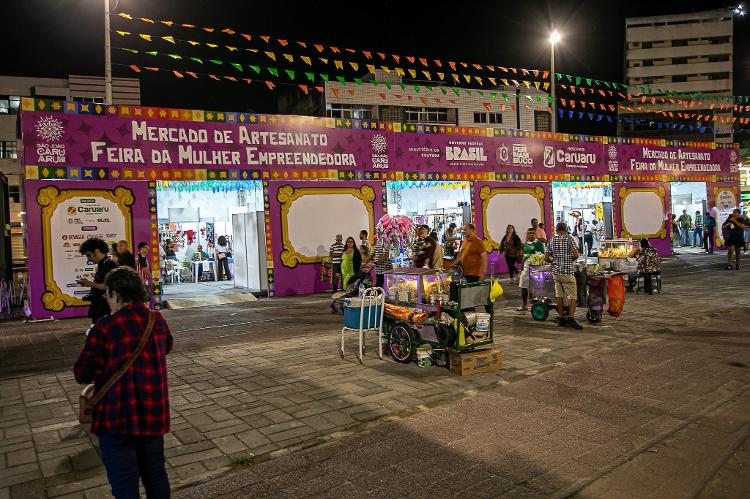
[{"x": 61, "y": 37}]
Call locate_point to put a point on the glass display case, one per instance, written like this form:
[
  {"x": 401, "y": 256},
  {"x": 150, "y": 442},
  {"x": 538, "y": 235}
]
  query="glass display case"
[
  {"x": 617, "y": 254},
  {"x": 413, "y": 287}
]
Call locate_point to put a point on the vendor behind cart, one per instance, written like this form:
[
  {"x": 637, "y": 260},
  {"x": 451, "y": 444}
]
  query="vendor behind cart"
[
  {"x": 562, "y": 252},
  {"x": 423, "y": 250},
  {"x": 649, "y": 264},
  {"x": 532, "y": 246},
  {"x": 473, "y": 255}
]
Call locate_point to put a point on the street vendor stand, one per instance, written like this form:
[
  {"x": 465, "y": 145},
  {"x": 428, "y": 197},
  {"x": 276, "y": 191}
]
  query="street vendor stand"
[{"x": 435, "y": 310}]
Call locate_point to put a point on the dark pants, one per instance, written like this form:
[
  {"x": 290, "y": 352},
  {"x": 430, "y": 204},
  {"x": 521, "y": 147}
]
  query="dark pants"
[
  {"x": 379, "y": 280},
  {"x": 708, "y": 241},
  {"x": 223, "y": 269},
  {"x": 335, "y": 277},
  {"x": 128, "y": 459},
  {"x": 511, "y": 261},
  {"x": 588, "y": 240},
  {"x": 471, "y": 278}
]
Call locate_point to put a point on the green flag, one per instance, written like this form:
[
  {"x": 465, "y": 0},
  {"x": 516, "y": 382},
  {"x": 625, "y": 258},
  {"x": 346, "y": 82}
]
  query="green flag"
[
  {"x": 197, "y": 59},
  {"x": 217, "y": 61},
  {"x": 358, "y": 81},
  {"x": 341, "y": 80},
  {"x": 310, "y": 76},
  {"x": 493, "y": 95},
  {"x": 324, "y": 76},
  {"x": 402, "y": 85},
  {"x": 274, "y": 72},
  {"x": 255, "y": 68},
  {"x": 153, "y": 52},
  {"x": 237, "y": 66},
  {"x": 456, "y": 91},
  {"x": 417, "y": 88},
  {"x": 588, "y": 81},
  {"x": 388, "y": 84},
  {"x": 444, "y": 90},
  {"x": 174, "y": 56},
  {"x": 559, "y": 76},
  {"x": 290, "y": 73},
  {"x": 578, "y": 80},
  {"x": 132, "y": 51}
]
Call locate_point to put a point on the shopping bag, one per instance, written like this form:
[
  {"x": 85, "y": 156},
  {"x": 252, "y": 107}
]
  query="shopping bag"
[
  {"x": 616, "y": 294},
  {"x": 326, "y": 270}
]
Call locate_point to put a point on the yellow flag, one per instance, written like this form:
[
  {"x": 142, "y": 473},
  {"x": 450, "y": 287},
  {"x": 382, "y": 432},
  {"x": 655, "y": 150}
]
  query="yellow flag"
[
  {"x": 413, "y": 73},
  {"x": 289, "y": 57},
  {"x": 479, "y": 79},
  {"x": 386, "y": 69},
  {"x": 145, "y": 37},
  {"x": 400, "y": 72},
  {"x": 441, "y": 76},
  {"x": 467, "y": 78},
  {"x": 455, "y": 77},
  {"x": 169, "y": 39},
  {"x": 191, "y": 42},
  {"x": 427, "y": 75},
  {"x": 211, "y": 45},
  {"x": 306, "y": 59},
  {"x": 492, "y": 80},
  {"x": 371, "y": 68},
  {"x": 123, "y": 33},
  {"x": 271, "y": 55},
  {"x": 338, "y": 64},
  {"x": 354, "y": 66}
]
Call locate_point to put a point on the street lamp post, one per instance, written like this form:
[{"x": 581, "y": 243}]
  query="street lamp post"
[
  {"x": 554, "y": 38},
  {"x": 107, "y": 57}
]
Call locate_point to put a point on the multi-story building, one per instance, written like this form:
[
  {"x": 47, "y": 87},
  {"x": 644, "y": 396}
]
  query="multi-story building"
[
  {"x": 525, "y": 109},
  {"x": 685, "y": 53},
  {"x": 12, "y": 88}
]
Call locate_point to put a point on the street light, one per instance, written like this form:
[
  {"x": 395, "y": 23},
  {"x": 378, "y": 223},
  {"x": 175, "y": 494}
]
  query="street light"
[
  {"x": 739, "y": 10},
  {"x": 554, "y": 39}
]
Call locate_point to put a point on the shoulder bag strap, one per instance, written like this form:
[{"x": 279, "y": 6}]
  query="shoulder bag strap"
[{"x": 118, "y": 374}]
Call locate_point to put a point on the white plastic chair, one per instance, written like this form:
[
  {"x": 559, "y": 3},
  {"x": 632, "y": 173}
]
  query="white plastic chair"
[{"x": 370, "y": 319}]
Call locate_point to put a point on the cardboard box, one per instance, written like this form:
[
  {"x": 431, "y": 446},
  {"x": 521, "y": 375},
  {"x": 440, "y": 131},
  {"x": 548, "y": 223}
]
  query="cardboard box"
[{"x": 476, "y": 362}]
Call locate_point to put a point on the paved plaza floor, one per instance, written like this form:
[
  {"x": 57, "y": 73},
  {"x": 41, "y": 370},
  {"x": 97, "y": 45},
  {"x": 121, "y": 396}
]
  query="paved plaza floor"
[{"x": 654, "y": 403}]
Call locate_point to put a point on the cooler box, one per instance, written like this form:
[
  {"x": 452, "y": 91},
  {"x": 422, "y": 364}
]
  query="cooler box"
[{"x": 352, "y": 310}]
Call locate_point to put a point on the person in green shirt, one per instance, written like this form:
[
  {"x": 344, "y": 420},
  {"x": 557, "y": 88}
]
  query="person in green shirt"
[
  {"x": 685, "y": 221},
  {"x": 698, "y": 230},
  {"x": 532, "y": 246}
]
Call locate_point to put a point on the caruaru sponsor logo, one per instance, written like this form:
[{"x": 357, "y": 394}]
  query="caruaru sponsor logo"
[{"x": 93, "y": 209}]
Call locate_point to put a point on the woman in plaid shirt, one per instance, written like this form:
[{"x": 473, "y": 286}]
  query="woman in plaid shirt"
[{"x": 133, "y": 416}]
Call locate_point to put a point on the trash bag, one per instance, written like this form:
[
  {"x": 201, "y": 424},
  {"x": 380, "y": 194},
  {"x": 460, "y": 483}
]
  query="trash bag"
[
  {"x": 496, "y": 290},
  {"x": 596, "y": 296},
  {"x": 616, "y": 292}
]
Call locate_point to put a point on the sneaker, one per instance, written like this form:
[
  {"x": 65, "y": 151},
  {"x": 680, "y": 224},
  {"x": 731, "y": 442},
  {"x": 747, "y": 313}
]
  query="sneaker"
[
  {"x": 736, "y": 267},
  {"x": 562, "y": 322},
  {"x": 729, "y": 267},
  {"x": 571, "y": 322}
]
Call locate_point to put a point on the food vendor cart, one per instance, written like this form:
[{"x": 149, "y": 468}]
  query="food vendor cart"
[{"x": 435, "y": 310}]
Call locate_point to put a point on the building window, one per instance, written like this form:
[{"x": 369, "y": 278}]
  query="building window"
[
  {"x": 95, "y": 100},
  {"x": 480, "y": 117},
  {"x": 679, "y": 60},
  {"x": 426, "y": 114},
  {"x": 496, "y": 118},
  {"x": 348, "y": 111},
  {"x": 8, "y": 149},
  {"x": 648, "y": 63},
  {"x": 14, "y": 193},
  {"x": 679, "y": 78},
  {"x": 9, "y": 104},
  {"x": 646, "y": 45},
  {"x": 679, "y": 43}
]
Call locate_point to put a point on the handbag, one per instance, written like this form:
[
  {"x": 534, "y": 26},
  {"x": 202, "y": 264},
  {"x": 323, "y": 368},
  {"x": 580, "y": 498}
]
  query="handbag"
[
  {"x": 221, "y": 255},
  {"x": 90, "y": 397}
]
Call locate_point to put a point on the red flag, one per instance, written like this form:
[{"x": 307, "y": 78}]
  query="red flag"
[
  {"x": 303, "y": 88},
  {"x": 270, "y": 85}
]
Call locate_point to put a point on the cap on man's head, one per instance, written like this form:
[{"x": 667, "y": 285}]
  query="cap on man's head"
[{"x": 339, "y": 236}]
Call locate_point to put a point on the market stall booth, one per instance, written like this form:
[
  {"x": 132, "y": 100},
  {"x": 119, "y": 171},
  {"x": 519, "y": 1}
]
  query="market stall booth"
[
  {"x": 194, "y": 216},
  {"x": 319, "y": 177}
]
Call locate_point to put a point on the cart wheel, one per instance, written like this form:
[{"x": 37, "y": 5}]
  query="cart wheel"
[
  {"x": 539, "y": 311},
  {"x": 593, "y": 318},
  {"x": 401, "y": 344}
]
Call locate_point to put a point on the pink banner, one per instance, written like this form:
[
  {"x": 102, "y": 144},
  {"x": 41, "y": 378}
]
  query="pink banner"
[{"x": 262, "y": 142}]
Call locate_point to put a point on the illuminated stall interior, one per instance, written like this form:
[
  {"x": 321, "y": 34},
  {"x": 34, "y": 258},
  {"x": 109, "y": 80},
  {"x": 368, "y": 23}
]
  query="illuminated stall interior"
[
  {"x": 431, "y": 203},
  {"x": 196, "y": 213},
  {"x": 590, "y": 200}
]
